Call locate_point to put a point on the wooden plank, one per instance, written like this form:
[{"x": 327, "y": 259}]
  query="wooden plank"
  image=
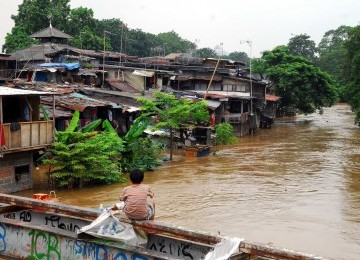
[
  {"x": 25, "y": 134},
  {"x": 43, "y": 133},
  {"x": 15, "y": 138},
  {"x": 34, "y": 131}
]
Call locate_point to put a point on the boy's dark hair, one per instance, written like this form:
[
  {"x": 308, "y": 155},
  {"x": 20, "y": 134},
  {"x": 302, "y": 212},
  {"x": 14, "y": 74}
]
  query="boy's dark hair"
[{"x": 136, "y": 176}]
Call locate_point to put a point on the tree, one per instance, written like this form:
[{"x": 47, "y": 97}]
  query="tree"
[
  {"x": 301, "y": 84},
  {"x": 17, "y": 39},
  {"x": 238, "y": 56},
  {"x": 205, "y": 53},
  {"x": 90, "y": 41},
  {"x": 87, "y": 157},
  {"x": 259, "y": 66},
  {"x": 139, "y": 43},
  {"x": 352, "y": 46},
  {"x": 301, "y": 45},
  {"x": 172, "y": 42},
  {"x": 225, "y": 134},
  {"x": 114, "y": 26},
  {"x": 81, "y": 19},
  {"x": 33, "y": 15},
  {"x": 172, "y": 113},
  {"x": 333, "y": 55},
  {"x": 80, "y": 155}
]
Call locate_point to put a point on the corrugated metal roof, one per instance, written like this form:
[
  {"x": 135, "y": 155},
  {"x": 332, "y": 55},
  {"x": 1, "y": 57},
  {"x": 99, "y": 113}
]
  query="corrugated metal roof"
[
  {"x": 208, "y": 78},
  {"x": 272, "y": 98},
  {"x": 213, "y": 104},
  {"x": 6, "y": 91},
  {"x": 37, "y": 51},
  {"x": 6, "y": 57},
  {"x": 50, "y": 32},
  {"x": 223, "y": 94},
  {"x": 77, "y": 101},
  {"x": 92, "y": 53},
  {"x": 58, "y": 112},
  {"x": 122, "y": 86},
  {"x": 144, "y": 73}
]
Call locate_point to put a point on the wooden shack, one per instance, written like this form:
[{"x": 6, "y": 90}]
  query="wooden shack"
[{"x": 21, "y": 134}]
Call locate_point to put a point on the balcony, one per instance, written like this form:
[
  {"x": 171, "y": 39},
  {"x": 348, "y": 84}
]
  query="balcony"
[{"x": 25, "y": 136}]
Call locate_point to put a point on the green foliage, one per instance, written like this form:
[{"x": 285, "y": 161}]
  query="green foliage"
[
  {"x": 35, "y": 15},
  {"x": 333, "y": 57},
  {"x": 136, "y": 130},
  {"x": 172, "y": 42},
  {"x": 140, "y": 43},
  {"x": 92, "y": 126},
  {"x": 88, "y": 32},
  {"x": 238, "y": 56},
  {"x": 259, "y": 66},
  {"x": 81, "y": 19},
  {"x": 143, "y": 153},
  {"x": 108, "y": 127},
  {"x": 45, "y": 114},
  {"x": 88, "y": 157},
  {"x": 352, "y": 46},
  {"x": 90, "y": 41},
  {"x": 225, "y": 134},
  {"x": 173, "y": 113},
  {"x": 17, "y": 39},
  {"x": 301, "y": 84},
  {"x": 205, "y": 53},
  {"x": 301, "y": 45}
]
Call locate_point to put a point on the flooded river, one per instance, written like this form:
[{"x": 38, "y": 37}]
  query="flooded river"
[{"x": 296, "y": 185}]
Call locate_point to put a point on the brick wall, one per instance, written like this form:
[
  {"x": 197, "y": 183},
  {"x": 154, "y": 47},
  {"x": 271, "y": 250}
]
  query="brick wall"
[{"x": 11, "y": 182}]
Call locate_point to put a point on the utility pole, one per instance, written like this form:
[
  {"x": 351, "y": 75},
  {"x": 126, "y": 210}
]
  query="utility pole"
[
  {"x": 251, "y": 87},
  {"x": 103, "y": 78}
]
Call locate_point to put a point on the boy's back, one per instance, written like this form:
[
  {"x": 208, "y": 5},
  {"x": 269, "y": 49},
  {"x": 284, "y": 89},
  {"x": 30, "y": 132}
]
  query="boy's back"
[{"x": 137, "y": 198}]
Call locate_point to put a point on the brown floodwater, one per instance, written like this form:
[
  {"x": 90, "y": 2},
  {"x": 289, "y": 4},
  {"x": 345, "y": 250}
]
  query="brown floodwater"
[{"x": 296, "y": 185}]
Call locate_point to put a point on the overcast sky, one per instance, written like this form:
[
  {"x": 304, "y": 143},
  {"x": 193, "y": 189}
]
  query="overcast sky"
[{"x": 266, "y": 23}]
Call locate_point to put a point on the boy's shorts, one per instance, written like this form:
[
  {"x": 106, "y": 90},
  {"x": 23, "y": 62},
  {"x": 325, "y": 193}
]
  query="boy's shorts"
[{"x": 150, "y": 212}]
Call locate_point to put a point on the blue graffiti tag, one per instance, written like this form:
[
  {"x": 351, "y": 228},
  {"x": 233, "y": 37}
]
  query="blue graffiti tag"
[
  {"x": 135, "y": 256},
  {"x": 2, "y": 238}
]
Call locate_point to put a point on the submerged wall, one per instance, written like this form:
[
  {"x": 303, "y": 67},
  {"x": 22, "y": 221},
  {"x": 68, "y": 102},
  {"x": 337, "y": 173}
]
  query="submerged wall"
[{"x": 16, "y": 172}]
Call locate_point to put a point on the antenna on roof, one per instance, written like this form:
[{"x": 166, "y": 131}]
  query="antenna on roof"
[{"x": 50, "y": 19}]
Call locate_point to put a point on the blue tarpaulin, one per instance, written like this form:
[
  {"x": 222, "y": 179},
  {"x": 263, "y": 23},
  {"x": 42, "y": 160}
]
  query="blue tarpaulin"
[{"x": 68, "y": 66}]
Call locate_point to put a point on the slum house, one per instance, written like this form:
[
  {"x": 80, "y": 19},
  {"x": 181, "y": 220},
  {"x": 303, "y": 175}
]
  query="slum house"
[
  {"x": 130, "y": 106},
  {"x": 50, "y": 39},
  {"x": 236, "y": 104},
  {"x": 270, "y": 110},
  {"x": 64, "y": 73},
  {"x": 23, "y": 135},
  {"x": 90, "y": 109},
  {"x": 103, "y": 66},
  {"x": 7, "y": 67}
]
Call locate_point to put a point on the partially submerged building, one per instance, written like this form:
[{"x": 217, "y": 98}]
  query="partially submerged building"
[{"x": 22, "y": 134}]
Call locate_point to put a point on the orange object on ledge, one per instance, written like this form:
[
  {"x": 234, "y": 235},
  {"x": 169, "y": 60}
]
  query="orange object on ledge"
[{"x": 40, "y": 196}]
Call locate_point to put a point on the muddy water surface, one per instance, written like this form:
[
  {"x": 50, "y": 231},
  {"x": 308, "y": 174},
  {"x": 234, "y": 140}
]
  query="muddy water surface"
[{"x": 296, "y": 185}]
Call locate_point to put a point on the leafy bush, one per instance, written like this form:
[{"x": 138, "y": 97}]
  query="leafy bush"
[
  {"x": 90, "y": 158},
  {"x": 143, "y": 153},
  {"x": 225, "y": 134}
]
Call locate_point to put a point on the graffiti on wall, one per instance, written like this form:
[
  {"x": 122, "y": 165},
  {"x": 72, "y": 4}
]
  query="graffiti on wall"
[
  {"x": 39, "y": 244},
  {"x": 44, "y": 245},
  {"x": 54, "y": 221},
  {"x": 2, "y": 238}
]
